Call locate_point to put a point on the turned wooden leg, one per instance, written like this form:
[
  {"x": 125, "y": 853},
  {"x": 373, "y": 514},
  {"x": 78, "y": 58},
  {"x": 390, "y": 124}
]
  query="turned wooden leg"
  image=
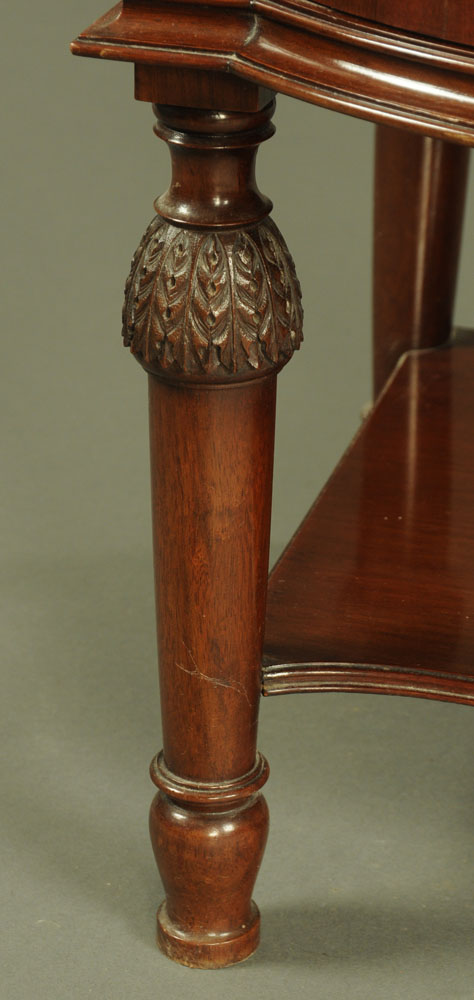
[
  {"x": 211, "y": 470},
  {"x": 212, "y": 312},
  {"x": 420, "y": 186}
]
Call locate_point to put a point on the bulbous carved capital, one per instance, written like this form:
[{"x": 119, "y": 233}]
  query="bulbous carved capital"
[{"x": 212, "y": 306}]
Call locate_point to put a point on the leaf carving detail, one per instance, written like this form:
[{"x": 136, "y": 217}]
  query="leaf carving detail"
[
  {"x": 253, "y": 318},
  {"x": 212, "y": 303},
  {"x": 171, "y": 297},
  {"x": 210, "y": 306},
  {"x": 141, "y": 314},
  {"x": 285, "y": 287}
]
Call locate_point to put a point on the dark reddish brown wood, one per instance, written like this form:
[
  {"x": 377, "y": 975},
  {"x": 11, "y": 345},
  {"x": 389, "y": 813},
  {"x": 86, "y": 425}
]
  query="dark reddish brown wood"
[
  {"x": 211, "y": 455},
  {"x": 376, "y": 590},
  {"x": 190, "y": 88},
  {"x": 305, "y": 50},
  {"x": 213, "y": 162},
  {"x": 420, "y": 186},
  {"x": 211, "y": 459},
  {"x": 219, "y": 299},
  {"x": 444, "y": 19},
  {"x": 208, "y": 843},
  {"x": 212, "y": 311}
]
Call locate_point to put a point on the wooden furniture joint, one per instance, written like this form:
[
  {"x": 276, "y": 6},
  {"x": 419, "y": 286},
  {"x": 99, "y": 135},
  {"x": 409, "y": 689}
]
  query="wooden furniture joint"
[{"x": 376, "y": 591}]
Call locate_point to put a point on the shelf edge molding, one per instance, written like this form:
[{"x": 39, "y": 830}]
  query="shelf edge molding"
[{"x": 304, "y": 678}]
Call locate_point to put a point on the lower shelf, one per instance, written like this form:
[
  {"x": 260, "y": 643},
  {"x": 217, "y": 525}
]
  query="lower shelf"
[{"x": 375, "y": 592}]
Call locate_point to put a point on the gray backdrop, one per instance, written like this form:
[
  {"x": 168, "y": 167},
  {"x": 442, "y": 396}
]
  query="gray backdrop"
[{"x": 366, "y": 889}]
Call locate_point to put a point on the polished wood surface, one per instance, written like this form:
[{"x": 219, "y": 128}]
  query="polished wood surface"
[
  {"x": 444, "y": 19},
  {"x": 211, "y": 516},
  {"x": 420, "y": 187},
  {"x": 304, "y": 50},
  {"x": 376, "y": 590},
  {"x": 184, "y": 87},
  {"x": 212, "y": 312},
  {"x": 211, "y": 529},
  {"x": 208, "y": 843}
]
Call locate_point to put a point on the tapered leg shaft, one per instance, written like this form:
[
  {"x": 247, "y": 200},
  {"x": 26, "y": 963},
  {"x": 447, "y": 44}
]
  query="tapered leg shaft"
[{"x": 212, "y": 456}]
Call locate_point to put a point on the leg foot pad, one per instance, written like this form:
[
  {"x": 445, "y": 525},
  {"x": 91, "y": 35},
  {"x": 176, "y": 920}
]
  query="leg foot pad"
[{"x": 211, "y": 951}]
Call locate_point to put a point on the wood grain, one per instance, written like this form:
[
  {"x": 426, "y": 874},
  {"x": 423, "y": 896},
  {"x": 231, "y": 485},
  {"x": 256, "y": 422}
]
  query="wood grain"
[
  {"x": 420, "y": 188},
  {"x": 451, "y": 22},
  {"x": 212, "y": 453},
  {"x": 186, "y": 87},
  {"x": 212, "y": 312},
  {"x": 376, "y": 590},
  {"x": 304, "y": 50}
]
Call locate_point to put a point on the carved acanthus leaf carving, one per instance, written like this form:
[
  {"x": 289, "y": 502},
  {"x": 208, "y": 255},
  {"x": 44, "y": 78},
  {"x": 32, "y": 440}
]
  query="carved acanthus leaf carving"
[
  {"x": 285, "y": 286},
  {"x": 212, "y": 304},
  {"x": 210, "y": 307}
]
